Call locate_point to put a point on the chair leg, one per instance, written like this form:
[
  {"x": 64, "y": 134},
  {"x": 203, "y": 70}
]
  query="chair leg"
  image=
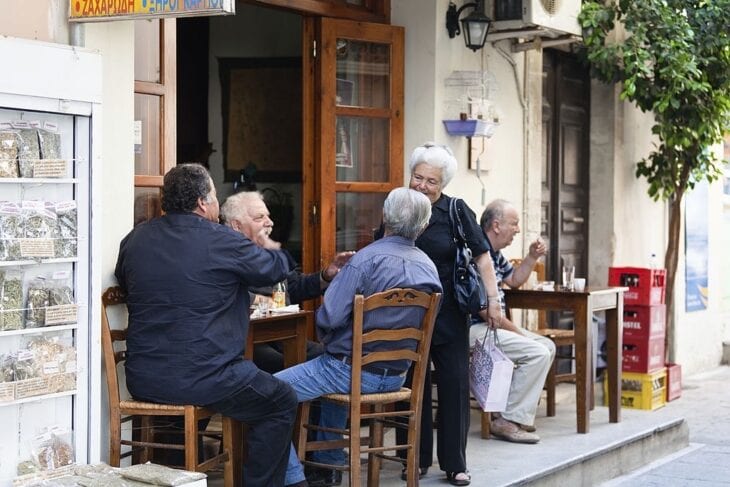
[
  {"x": 486, "y": 423},
  {"x": 376, "y": 440},
  {"x": 191, "y": 440},
  {"x": 232, "y": 445},
  {"x": 115, "y": 440},
  {"x": 550, "y": 385},
  {"x": 300, "y": 432},
  {"x": 412, "y": 456},
  {"x": 354, "y": 445},
  {"x": 147, "y": 434}
]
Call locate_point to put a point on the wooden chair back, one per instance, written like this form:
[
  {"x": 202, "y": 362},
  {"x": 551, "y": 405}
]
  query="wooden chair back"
[
  {"x": 142, "y": 413},
  {"x": 419, "y": 334}
]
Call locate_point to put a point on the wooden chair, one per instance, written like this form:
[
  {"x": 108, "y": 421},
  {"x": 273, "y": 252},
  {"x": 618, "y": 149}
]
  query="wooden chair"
[
  {"x": 371, "y": 407},
  {"x": 143, "y": 413}
]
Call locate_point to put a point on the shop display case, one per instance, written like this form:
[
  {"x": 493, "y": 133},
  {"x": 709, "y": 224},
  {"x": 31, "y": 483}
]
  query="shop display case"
[{"x": 45, "y": 257}]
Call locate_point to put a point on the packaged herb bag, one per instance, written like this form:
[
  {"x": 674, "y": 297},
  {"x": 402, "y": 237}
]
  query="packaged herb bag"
[
  {"x": 9, "y": 142},
  {"x": 66, "y": 229},
  {"x": 11, "y": 301},
  {"x": 50, "y": 144},
  {"x": 28, "y": 151},
  {"x": 11, "y": 229},
  {"x": 39, "y": 219},
  {"x": 36, "y": 303}
]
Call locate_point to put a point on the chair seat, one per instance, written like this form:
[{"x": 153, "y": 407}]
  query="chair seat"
[
  {"x": 558, "y": 335},
  {"x": 403, "y": 394}
]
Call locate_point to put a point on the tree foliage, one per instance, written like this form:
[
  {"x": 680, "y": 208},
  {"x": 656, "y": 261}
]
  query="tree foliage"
[
  {"x": 675, "y": 62},
  {"x": 672, "y": 58}
]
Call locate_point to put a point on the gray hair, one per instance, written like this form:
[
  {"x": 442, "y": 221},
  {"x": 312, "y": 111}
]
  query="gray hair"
[
  {"x": 435, "y": 155},
  {"x": 493, "y": 212},
  {"x": 406, "y": 213},
  {"x": 236, "y": 204}
]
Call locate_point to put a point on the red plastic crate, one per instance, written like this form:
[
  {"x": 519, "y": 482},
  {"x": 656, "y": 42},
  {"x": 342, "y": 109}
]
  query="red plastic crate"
[
  {"x": 674, "y": 381},
  {"x": 646, "y": 286},
  {"x": 643, "y": 355},
  {"x": 644, "y": 321}
]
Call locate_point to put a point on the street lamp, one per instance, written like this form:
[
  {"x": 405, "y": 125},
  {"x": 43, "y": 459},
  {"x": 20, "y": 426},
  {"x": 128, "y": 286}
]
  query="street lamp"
[{"x": 475, "y": 25}]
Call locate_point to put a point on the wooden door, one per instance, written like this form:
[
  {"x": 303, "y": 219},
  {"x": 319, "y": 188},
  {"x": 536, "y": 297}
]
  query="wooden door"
[
  {"x": 358, "y": 132},
  {"x": 566, "y": 99}
]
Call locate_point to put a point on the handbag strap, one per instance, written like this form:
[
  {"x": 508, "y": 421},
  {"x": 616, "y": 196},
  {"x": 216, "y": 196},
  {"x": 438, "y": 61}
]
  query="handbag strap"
[{"x": 456, "y": 226}]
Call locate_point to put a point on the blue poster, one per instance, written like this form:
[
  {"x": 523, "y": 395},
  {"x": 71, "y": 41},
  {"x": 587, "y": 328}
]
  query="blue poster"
[{"x": 695, "y": 244}]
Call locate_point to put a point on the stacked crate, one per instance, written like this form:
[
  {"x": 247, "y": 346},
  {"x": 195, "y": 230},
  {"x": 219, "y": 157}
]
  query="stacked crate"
[{"x": 644, "y": 328}]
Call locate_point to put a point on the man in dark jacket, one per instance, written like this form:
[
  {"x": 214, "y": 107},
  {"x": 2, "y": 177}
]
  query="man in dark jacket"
[{"x": 187, "y": 279}]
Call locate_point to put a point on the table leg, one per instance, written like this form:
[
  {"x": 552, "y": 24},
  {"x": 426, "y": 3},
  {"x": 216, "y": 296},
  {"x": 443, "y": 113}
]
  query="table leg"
[
  {"x": 583, "y": 379},
  {"x": 614, "y": 339}
]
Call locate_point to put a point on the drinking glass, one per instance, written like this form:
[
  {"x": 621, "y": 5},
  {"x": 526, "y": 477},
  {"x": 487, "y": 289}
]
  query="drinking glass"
[{"x": 568, "y": 277}]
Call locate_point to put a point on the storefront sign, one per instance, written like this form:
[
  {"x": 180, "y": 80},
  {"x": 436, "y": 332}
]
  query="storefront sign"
[{"x": 99, "y": 10}]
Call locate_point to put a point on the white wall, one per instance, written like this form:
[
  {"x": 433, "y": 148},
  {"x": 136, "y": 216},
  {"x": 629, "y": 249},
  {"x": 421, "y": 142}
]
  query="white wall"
[
  {"x": 431, "y": 56},
  {"x": 115, "y": 41},
  {"x": 42, "y": 20}
]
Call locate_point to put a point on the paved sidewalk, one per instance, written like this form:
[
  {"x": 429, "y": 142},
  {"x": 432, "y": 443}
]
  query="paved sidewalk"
[{"x": 705, "y": 404}]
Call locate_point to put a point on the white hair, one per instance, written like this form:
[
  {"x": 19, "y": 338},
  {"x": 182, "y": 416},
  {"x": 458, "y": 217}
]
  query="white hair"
[
  {"x": 406, "y": 213},
  {"x": 435, "y": 155}
]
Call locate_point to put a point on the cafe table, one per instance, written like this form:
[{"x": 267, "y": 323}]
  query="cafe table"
[
  {"x": 583, "y": 304},
  {"x": 288, "y": 328}
]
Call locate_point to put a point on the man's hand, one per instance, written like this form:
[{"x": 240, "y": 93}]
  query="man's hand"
[
  {"x": 492, "y": 315},
  {"x": 329, "y": 272},
  {"x": 263, "y": 240},
  {"x": 537, "y": 248}
]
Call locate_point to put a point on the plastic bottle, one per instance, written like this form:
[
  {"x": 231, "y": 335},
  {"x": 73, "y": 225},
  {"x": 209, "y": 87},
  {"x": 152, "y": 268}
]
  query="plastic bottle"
[
  {"x": 279, "y": 295},
  {"x": 653, "y": 262}
]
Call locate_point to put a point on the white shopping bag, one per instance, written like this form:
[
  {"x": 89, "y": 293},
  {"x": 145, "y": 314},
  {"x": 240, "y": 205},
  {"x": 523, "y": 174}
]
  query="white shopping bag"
[{"x": 490, "y": 373}]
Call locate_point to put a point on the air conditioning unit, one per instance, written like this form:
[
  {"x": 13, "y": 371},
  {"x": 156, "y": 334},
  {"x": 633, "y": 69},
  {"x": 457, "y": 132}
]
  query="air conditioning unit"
[{"x": 558, "y": 16}]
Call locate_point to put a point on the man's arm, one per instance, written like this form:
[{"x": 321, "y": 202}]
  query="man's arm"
[{"x": 521, "y": 273}]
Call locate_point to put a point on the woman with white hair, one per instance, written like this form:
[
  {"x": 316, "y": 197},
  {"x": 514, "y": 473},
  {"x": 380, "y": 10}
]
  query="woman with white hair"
[{"x": 431, "y": 168}]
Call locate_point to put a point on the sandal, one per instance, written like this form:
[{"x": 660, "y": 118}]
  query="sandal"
[
  {"x": 422, "y": 471},
  {"x": 458, "y": 478}
]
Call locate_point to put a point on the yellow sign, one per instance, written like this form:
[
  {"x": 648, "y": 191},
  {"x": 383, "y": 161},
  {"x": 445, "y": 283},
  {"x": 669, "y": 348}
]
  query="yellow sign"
[{"x": 98, "y": 10}]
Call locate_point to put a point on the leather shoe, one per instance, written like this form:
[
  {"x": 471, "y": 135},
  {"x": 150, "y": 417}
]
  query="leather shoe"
[
  {"x": 422, "y": 471},
  {"x": 324, "y": 478},
  {"x": 509, "y": 431}
]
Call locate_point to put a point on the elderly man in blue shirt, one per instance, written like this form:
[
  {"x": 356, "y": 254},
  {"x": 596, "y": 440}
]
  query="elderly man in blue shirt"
[{"x": 392, "y": 262}]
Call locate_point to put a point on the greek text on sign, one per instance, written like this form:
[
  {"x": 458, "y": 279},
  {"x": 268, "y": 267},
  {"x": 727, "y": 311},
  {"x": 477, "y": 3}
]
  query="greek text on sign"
[
  {"x": 63, "y": 313},
  {"x": 97, "y": 10}
]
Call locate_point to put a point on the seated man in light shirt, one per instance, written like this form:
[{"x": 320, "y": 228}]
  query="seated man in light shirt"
[
  {"x": 246, "y": 213},
  {"x": 391, "y": 262},
  {"x": 532, "y": 354}
]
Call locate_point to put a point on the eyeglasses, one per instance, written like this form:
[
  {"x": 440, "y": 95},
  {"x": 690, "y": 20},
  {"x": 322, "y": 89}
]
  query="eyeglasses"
[{"x": 430, "y": 182}]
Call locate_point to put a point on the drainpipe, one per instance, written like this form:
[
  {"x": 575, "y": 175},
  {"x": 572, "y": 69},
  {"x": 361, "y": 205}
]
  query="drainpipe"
[{"x": 521, "y": 89}]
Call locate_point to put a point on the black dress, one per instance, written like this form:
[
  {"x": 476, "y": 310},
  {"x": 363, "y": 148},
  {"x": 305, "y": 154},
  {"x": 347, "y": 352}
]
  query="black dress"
[{"x": 450, "y": 342}]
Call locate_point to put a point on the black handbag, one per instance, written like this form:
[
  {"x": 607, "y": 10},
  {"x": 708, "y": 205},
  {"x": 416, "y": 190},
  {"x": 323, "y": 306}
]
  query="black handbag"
[{"x": 468, "y": 286}]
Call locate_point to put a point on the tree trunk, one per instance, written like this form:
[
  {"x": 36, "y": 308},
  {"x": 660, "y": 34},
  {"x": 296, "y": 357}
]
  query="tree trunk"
[{"x": 670, "y": 263}]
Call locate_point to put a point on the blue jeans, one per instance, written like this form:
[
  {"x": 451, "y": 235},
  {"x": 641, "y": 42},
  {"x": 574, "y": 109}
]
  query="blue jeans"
[{"x": 327, "y": 375}]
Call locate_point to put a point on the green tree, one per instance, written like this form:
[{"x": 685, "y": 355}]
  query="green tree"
[{"x": 672, "y": 58}]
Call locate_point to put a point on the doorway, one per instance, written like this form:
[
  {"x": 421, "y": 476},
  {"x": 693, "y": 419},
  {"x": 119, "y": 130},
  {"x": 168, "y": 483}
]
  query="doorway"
[
  {"x": 308, "y": 110},
  {"x": 240, "y": 108},
  {"x": 565, "y": 198}
]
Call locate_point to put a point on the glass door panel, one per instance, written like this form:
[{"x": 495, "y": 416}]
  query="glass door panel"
[
  {"x": 358, "y": 217},
  {"x": 363, "y": 74},
  {"x": 361, "y": 129},
  {"x": 147, "y": 109},
  {"x": 362, "y": 149}
]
